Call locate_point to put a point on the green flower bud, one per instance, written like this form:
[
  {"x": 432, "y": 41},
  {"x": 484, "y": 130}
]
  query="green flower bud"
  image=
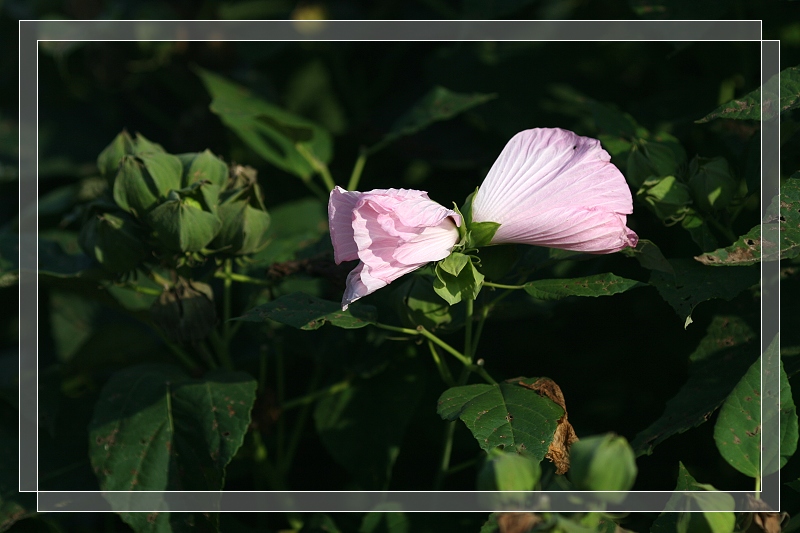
[
  {"x": 245, "y": 220},
  {"x": 603, "y": 463},
  {"x": 114, "y": 240},
  {"x": 186, "y": 311},
  {"x": 185, "y": 221},
  {"x": 712, "y": 185},
  {"x": 109, "y": 159},
  {"x": 143, "y": 146},
  {"x": 205, "y": 166},
  {"x": 508, "y": 471},
  {"x": 143, "y": 181}
]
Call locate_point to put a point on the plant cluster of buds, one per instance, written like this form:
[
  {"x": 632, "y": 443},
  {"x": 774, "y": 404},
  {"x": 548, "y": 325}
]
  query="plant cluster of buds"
[{"x": 184, "y": 205}]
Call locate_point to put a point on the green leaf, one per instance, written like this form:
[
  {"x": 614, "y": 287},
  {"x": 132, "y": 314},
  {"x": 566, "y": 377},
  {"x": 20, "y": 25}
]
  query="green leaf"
[
  {"x": 712, "y": 184},
  {"x": 667, "y": 521},
  {"x": 695, "y": 507},
  {"x": 506, "y": 414},
  {"x": 649, "y": 256},
  {"x": 789, "y": 218},
  {"x": 694, "y": 283},
  {"x": 457, "y": 278},
  {"x": 745, "y": 251},
  {"x": 9, "y": 259},
  {"x": 55, "y": 262},
  {"x": 597, "y": 285},
  {"x": 271, "y": 132},
  {"x": 363, "y": 425},
  {"x": 715, "y": 367},
  {"x": 302, "y": 311},
  {"x": 390, "y": 521},
  {"x": 748, "y": 107},
  {"x": 738, "y": 430},
  {"x": 667, "y": 197},
  {"x": 437, "y": 105},
  {"x": 293, "y": 226},
  {"x": 156, "y": 429},
  {"x": 417, "y": 303}
]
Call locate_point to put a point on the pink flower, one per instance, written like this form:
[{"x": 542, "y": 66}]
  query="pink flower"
[
  {"x": 392, "y": 232},
  {"x": 551, "y": 187}
]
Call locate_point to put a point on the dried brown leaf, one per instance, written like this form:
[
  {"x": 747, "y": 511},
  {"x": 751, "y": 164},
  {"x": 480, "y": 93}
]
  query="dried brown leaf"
[
  {"x": 517, "y": 522},
  {"x": 564, "y": 437}
]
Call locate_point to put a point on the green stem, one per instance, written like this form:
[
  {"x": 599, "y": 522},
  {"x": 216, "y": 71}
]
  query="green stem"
[
  {"x": 358, "y": 168},
  {"x": 479, "y": 330},
  {"x": 241, "y": 278},
  {"x": 464, "y": 465},
  {"x": 182, "y": 356},
  {"x": 501, "y": 286},
  {"x": 317, "y": 165},
  {"x": 297, "y": 430},
  {"x": 144, "y": 290},
  {"x": 447, "y": 449},
  {"x": 311, "y": 396},
  {"x": 444, "y": 372},
  {"x": 280, "y": 391},
  {"x": 757, "y": 494},
  {"x": 221, "y": 348},
  {"x": 468, "y": 348}
]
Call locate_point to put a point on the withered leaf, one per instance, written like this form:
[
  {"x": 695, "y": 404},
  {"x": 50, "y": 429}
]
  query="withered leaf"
[
  {"x": 564, "y": 437},
  {"x": 517, "y": 522}
]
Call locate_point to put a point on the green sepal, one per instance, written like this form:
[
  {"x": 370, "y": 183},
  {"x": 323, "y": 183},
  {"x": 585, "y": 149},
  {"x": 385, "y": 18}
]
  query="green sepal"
[
  {"x": 142, "y": 181},
  {"x": 481, "y": 234},
  {"x": 109, "y": 159},
  {"x": 114, "y": 240},
  {"x": 457, "y": 278},
  {"x": 185, "y": 222}
]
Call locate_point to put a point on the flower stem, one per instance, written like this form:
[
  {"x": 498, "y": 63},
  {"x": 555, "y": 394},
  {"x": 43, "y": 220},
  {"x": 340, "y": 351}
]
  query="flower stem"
[
  {"x": 358, "y": 168},
  {"x": 311, "y": 396},
  {"x": 447, "y": 449},
  {"x": 297, "y": 430},
  {"x": 444, "y": 372},
  {"x": 468, "y": 348},
  {"x": 317, "y": 165},
  {"x": 241, "y": 278},
  {"x": 501, "y": 286}
]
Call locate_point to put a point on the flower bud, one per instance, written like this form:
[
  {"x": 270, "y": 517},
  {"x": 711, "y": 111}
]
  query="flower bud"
[
  {"x": 185, "y": 312},
  {"x": 245, "y": 220},
  {"x": 508, "y": 471},
  {"x": 207, "y": 167},
  {"x": 114, "y": 240},
  {"x": 109, "y": 159},
  {"x": 185, "y": 221},
  {"x": 603, "y": 463},
  {"x": 142, "y": 181}
]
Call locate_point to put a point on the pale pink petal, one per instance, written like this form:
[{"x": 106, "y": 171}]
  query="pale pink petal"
[
  {"x": 433, "y": 244},
  {"x": 392, "y": 232},
  {"x": 340, "y": 219},
  {"x": 551, "y": 187}
]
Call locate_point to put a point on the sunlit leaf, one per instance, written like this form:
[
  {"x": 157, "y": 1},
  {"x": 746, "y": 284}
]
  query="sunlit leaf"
[
  {"x": 309, "y": 312},
  {"x": 597, "y": 285},
  {"x": 715, "y": 367},
  {"x": 506, "y": 414},
  {"x": 270, "y": 131}
]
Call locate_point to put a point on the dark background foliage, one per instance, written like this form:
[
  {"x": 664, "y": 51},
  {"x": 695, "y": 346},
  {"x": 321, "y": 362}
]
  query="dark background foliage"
[{"x": 618, "y": 361}]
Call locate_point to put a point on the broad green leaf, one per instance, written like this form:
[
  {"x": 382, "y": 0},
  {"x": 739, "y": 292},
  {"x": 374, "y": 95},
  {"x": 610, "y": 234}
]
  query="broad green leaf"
[
  {"x": 270, "y": 131},
  {"x": 666, "y": 196},
  {"x": 417, "y": 303},
  {"x": 363, "y": 425},
  {"x": 437, "y": 105},
  {"x": 309, "y": 312},
  {"x": 694, "y": 283},
  {"x": 715, "y": 367},
  {"x": 164, "y": 521},
  {"x": 667, "y": 521},
  {"x": 154, "y": 428},
  {"x": 738, "y": 428},
  {"x": 745, "y": 251},
  {"x": 790, "y": 89},
  {"x": 611, "y": 120},
  {"x": 748, "y": 107},
  {"x": 597, "y": 285},
  {"x": 699, "y": 229},
  {"x": 71, "y": 320},
  {"x": 789, "y": 218},
  {"x": 711, "y": 182},
  {"x": 506, "y": 414}
]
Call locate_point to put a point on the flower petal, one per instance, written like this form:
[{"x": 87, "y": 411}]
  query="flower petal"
[
  {"x": 340, "y": 220},
  {"x": 551, "y": 187},
  {"x": 433, "y": 244}
]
